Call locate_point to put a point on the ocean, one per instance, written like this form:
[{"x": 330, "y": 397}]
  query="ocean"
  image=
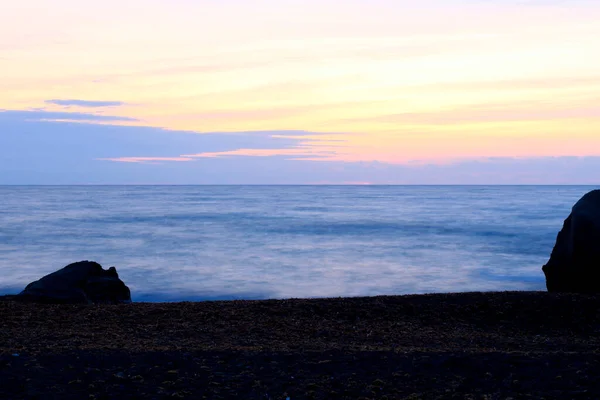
[{"x": 179, "y": 243}]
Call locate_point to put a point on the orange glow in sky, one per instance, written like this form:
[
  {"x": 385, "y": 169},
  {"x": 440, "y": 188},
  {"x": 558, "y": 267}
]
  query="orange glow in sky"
[{"x": 387, "y": 81}]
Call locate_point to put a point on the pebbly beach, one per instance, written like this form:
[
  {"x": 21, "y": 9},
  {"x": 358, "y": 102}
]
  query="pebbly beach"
[{"x": 496, "y": 345}]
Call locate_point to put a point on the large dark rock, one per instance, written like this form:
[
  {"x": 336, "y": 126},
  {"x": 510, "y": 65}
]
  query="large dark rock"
[
  {"x": 84, "y": 282},
  {"x": 574, "y": 264}
]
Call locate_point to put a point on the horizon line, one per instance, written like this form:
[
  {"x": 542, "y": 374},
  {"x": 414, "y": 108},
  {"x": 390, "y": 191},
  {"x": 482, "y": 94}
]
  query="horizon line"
[{"x": 295, "y": 184}]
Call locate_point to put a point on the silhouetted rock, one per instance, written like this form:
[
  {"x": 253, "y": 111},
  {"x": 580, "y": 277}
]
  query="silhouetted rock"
[
  {"x": 83, "y": 282},
  {"x": 574, "y": 264}
]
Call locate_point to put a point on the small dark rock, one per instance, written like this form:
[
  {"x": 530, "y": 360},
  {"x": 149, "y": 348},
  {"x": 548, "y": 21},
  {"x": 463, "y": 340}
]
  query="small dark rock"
[
  {"x": 84, "y": 282},
  {"x": 574, "y": 264}
]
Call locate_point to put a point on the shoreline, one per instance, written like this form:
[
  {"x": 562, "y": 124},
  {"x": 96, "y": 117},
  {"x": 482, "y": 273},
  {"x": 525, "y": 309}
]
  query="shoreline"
[
  {"x": 12, "y": 297},
  {"x": 457, "y": 345}
]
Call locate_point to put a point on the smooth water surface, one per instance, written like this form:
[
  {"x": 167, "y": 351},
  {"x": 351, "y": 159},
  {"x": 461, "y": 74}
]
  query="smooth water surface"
[{"x": 172, "y": 243}]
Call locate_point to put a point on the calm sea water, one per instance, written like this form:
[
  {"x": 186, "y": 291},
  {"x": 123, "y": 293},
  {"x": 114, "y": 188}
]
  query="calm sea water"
[{"x": 172, "y": 243}]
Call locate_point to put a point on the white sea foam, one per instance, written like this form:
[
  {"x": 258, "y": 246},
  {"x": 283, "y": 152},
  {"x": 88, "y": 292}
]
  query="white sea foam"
[{"x": 248, "y": 242}]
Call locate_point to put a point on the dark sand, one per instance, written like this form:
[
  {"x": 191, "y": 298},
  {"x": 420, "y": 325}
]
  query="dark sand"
[{"x": 463, "y": 346}]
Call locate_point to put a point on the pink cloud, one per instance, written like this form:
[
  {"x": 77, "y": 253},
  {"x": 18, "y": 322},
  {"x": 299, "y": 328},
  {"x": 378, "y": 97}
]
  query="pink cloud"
[
  {"x": 296, "y": 152},
  {"x": 260, "y": 153},
  {"x": 146, "y": 159},
  {"x": 491, "y": 113}
]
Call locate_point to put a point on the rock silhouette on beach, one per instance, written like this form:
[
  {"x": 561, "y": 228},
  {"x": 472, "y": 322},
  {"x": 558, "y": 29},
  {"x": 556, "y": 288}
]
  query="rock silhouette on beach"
[
  {"x": 84, "y": 282},
  {"x": 574, "y": 264}
]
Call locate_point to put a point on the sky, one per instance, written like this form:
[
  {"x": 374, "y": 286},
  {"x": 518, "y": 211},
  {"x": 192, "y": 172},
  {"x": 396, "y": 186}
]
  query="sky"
[{"x": 300, "y": 92}]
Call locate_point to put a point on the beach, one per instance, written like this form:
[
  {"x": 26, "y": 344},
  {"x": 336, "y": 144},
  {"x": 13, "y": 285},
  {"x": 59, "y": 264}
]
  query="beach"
[{"x": 494, "y": 345}]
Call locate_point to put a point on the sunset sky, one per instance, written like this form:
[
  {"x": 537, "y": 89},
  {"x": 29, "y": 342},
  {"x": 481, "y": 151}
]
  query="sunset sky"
[{"x": 282, "y": 91}]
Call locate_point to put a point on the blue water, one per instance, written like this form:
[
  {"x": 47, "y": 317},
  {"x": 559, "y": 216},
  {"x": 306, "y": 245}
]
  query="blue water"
[{"x": 172, "y": 243}]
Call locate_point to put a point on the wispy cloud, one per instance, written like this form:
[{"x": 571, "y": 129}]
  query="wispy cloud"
[
  {"x": 293, "y": 152},
  {"x": 41, "y": 152},
  {"x": 39, "y": 115},
  {"x": 146, "y": 160},
  {"x": 491, "y": 113},
  {"x": 296, "y": 152},
  {"x": 85, "y": 103}
]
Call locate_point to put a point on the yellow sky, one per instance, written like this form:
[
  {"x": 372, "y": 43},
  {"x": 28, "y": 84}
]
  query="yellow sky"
[{"x": 390, "y": 81}]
